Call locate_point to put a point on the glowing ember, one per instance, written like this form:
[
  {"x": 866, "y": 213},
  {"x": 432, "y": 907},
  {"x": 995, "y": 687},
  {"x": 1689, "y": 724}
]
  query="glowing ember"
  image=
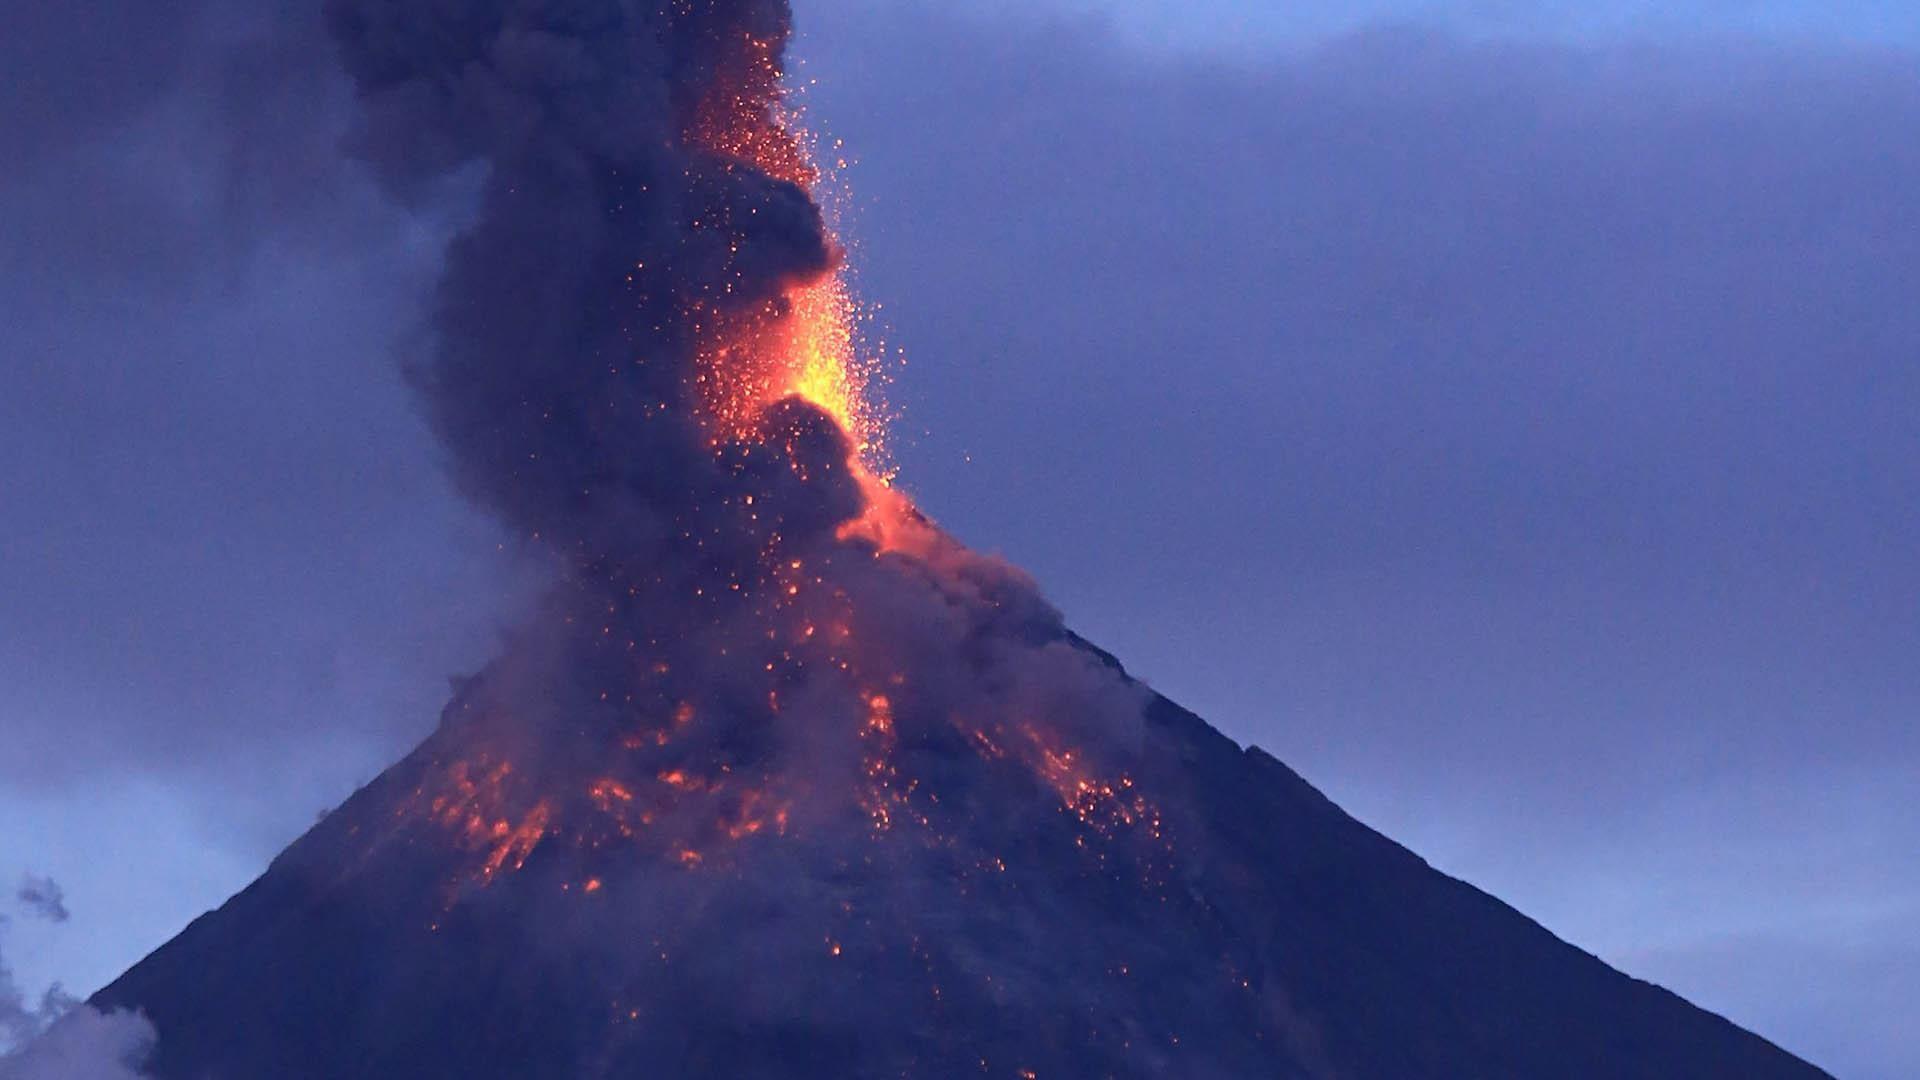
[
  {"x": 882, "y": 796},
  {"x": 827, "y": 369},
  {"x": 809, "y": 345},
  {"x": 472, "y": 802}
]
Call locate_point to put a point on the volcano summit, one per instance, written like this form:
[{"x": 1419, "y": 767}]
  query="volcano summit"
[{"x": 781, "y": 780}]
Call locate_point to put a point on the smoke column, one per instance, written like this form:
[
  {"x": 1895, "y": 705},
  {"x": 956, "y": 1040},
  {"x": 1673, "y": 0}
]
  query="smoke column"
[
  {"x": 644, "y": 364},
  {"x": 614, "y": 243}
]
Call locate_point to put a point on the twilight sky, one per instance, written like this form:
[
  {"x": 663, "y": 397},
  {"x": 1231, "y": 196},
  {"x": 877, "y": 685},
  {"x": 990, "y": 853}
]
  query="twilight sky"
[{"x": 1504, "y": 413}]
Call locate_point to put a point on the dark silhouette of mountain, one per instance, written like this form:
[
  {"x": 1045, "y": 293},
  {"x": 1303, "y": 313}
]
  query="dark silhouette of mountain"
[{"x": 1235, "y": 923}]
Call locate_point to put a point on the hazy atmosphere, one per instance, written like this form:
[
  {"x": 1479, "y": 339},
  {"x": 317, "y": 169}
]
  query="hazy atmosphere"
[{"x": 1504, "y": 414}]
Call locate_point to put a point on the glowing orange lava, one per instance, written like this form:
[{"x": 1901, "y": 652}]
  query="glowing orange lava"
[{"x": 809, "y": 344}]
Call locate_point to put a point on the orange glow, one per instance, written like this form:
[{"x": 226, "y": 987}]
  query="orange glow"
[
  {"x": 518, "y": 842},
  {"x": 1106, "y": 807},
  {"x": 606, "y": 793},
  {"x": 807, "y": 346},
  {"x": 890, "y": 521},
  {"x": 675, "y": 778},
  {"x": 756, "y": 813},
  {"x": 884, "y": 795},
  {"x": 826, "y": 368}
]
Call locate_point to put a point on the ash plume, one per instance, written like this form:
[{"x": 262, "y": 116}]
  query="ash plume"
[
  {"x": 640, "y": 260},
  {"x": 562, "y": 381}
]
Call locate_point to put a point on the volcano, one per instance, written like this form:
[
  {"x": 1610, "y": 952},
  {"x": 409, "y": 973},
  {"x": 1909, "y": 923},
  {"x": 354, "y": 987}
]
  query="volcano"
[
  {"x": 780, "y": 779},
  {"x": 1005, "y": 923}
]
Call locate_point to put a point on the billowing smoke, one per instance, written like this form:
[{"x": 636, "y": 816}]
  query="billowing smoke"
[
  {"x": 612, "y": 376},
  {"x": 85, "y": 1044},
  {"x": 608, "y": 241},
  {"x": 21, "y": 1020}
]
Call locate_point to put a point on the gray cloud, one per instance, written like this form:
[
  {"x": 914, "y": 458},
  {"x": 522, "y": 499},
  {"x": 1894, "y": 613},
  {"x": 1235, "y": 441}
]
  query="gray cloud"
[
  {"x": 84, "y": 1044},
  {"x": 43, "y": 897},
  {"x": 57, "y": 1037}
]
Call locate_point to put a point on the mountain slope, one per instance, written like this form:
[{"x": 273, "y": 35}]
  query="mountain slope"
[{"x": 1261, "y": 932}]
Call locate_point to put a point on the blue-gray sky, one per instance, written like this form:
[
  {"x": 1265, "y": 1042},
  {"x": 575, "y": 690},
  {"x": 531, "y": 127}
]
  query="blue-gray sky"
[
  {"x": 1257, "y": 25},
  {"x": 1505, "y": 413}
]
